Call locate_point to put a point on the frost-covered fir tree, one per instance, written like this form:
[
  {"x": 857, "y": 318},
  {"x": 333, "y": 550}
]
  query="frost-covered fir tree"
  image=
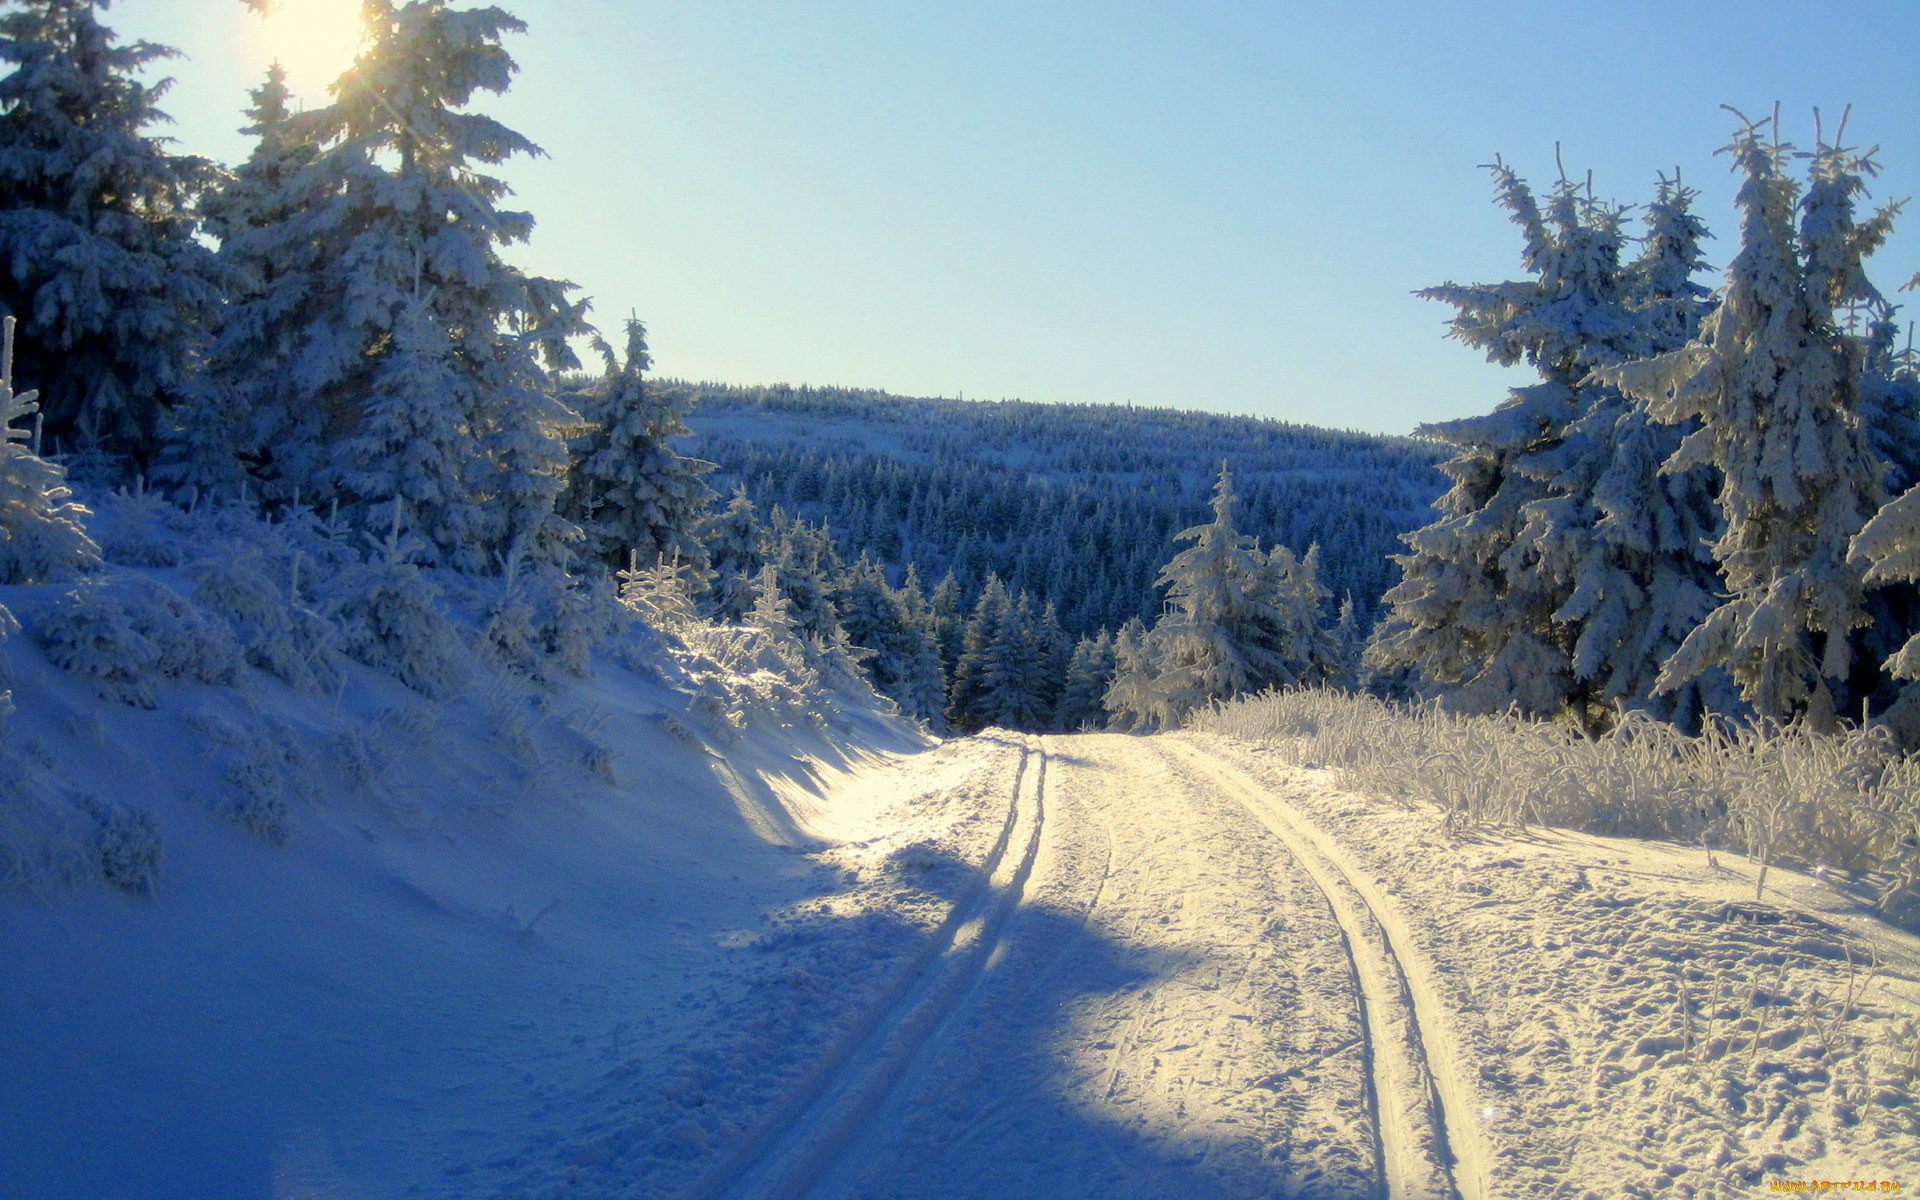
[
  {"x": 949, "y": 622},
  {"x": 97, "y": 230},
  {"x": 772, "y": 612},
  {"x": 968, "y": 702},
  {"x": 43, "y": 537},
  {"x": 1474, "y": 610},
  {"x": 1564, "y": 569},
  {"x": 1089, "y": 673},
  {"x": 1130, "y": 698},
  {"x": 627, "y": 489},
  {"x": 809, "y": 566},
  {"x": 1774, "y": 383},
  {"x": 736, "y": 550},
  {"x": 920, "y": 682},
  {"x": 905, "y": 665},
  {"x": 271, "y": 267},
  {"x": 1236, "y": 620},
  {"x": 1624, "y": 542},
  {"x": 402, "y": 232},
  {"x": 1018, "y": 670}
]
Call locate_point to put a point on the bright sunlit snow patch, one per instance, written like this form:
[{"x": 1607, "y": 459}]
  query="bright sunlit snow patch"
[{"x": 314, "y": 40}]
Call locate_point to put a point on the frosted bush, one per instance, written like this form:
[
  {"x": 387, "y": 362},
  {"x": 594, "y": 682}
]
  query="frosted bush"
[
  {"x": 42, "y": 535},
  {"x": 43, "y": 839},
  {"x": 140, "y": 528},
  {"x": 126, "y": 845},
  {"x": 275, "y": 631},
  {"x": 91, "y": 634},
  {"x": 391, "y": 619},
  {"x": 1848, "y": 802},
  {"x": 258, "y": 801},
  {"x": 128, "y": 632}
]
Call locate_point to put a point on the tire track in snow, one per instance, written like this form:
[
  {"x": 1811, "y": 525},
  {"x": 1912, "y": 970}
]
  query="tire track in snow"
[
  {"x": 811, "y": 1138},
  {"x": 1419, "y": 1102}
]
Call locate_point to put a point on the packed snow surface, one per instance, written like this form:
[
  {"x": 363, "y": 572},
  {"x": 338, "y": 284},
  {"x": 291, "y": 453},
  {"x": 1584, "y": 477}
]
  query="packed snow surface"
[{"x": 1005, "y": 966}]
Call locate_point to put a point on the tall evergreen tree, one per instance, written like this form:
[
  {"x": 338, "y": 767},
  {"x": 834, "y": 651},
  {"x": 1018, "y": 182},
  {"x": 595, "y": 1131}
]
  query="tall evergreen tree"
[
  {"x": 1130, "y": 697},
  {"x": 1220, "y": 634},
  {"x": 736, "y": 551},
  {"x": 1774, "y": 383},
  {"x": 1623, "y": 543},
  {"x": 397, "y": 230},
  {"x": 268, "y": 268},
  {"x": 969, "y": 704},
  {"x": 97, "y": 230},
  {"x": 628, "y": 489},
  {"x": 1089, "y": 674},
  {"x": 1475, "y": 610}
]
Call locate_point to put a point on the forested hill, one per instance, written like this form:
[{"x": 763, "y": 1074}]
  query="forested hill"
[{"x": 1075, "y": 503}]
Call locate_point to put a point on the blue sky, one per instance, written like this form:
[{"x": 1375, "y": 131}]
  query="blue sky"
[{"x": 1213, "y": 204}]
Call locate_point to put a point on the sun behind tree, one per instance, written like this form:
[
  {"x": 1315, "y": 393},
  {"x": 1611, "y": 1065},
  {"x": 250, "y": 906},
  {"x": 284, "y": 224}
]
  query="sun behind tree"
[{"x": 314, "y": 40}]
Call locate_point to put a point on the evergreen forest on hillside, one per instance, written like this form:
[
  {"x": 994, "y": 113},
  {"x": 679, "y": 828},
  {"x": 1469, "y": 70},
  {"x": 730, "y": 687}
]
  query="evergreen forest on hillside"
[{"x": 1075, "y": 504}]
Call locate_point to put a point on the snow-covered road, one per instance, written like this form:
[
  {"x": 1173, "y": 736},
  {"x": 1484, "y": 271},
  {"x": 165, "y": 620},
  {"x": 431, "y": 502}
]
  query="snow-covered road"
[
  {"x": 1006, "y": 967},
  {"x": 1167, "y": 985},
  {"x": 1184, "y": 970}
]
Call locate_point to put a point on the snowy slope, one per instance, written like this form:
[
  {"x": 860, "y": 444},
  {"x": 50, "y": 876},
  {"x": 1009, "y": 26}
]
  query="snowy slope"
[{"x": 461, "y": 908}]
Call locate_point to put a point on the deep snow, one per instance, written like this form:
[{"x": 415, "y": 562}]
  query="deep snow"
[{"x": 841, "y": 963}]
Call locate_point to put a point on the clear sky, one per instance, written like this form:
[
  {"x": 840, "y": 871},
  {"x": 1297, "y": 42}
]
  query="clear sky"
[{"x": 1218, "y": 204}]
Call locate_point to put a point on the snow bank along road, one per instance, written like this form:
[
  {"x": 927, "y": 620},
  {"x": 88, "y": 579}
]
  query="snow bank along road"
[{"x": 1182, "y": 970}]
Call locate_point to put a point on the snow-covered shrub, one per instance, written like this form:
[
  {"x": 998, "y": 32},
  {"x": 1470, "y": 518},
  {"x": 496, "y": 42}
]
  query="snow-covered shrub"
[
  {"x": 662, "y": 592},
  {"x": 391, "y": 618},
  {"x": 275, "y": 631},
  {"x": 579, "y": 615},
  {"x": 92, "y": 634},
  {"x": 128, "y": 631},
  {"x": 141, "y": 528},
  {"x": 43, "y": 839},
  {"x": 125, "y": 845},
  {"x": 509, "y": 637},
  {"x": 258, "y": 802},
  {"x": 41, "y": 534}
]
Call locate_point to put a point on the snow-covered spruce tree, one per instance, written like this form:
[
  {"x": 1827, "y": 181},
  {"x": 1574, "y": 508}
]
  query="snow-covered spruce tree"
[
  {"x": 270, "y": 266},
  {"x": 1236, "y": 620},
  {"x": 905, "y": 665},
  {"x": 1130, "y": 698},
  {"x": 103, "y": 270},
  {"x": 1565, "y": 568},
  {"x": 627, "y": 489},
  {"x": 409, "y": 305},
  {"x": 1624, "y": 542},
  {"x": 1089, "y": 674},
  {"x": 921, "y": 683},
  {"x": 735, "y": 543},
  {"x": 1019, "y": 671},
  {"x": 1774, "y": 383},
  {"x": 1473, "y": 610},
  {"x": 772, "y": 612},
  {"x": 1312, "y": 650},
  {"x": 390, "y": 614},
  {"x": 42, "y": 535},
  {"x": 949, "y": 616},
  {"x": 967, "y": 696},
  {"x": 809, "y": 565}
]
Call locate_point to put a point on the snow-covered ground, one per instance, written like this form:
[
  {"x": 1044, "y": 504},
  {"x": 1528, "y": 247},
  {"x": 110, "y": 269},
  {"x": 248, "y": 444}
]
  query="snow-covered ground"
[{"x": 825, "y": 965}]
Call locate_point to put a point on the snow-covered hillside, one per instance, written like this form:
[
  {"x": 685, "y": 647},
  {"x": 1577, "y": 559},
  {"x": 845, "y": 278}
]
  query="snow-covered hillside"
[{"x": 1075, "y": 503}]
